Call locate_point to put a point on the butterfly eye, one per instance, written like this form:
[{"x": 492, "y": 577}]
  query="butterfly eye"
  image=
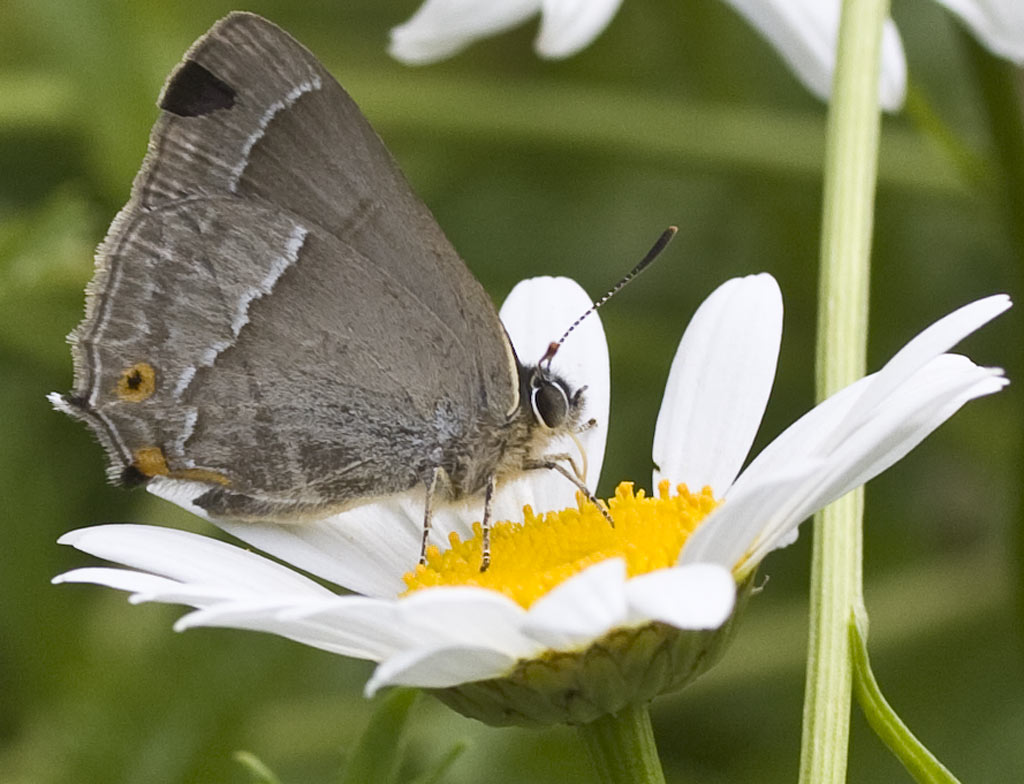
[{"x": 550, "y": 403}]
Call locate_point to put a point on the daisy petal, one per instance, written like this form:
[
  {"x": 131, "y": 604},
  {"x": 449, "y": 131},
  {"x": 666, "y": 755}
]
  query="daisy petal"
[
  {"x": 805, "y": 33},
  {"x": 441, "y": 28},
  {"x": 582, "y": 608},
  {"x": 179, "y": 492},
  {"x": 928, "y": 399},
  {"x": 846, "y": 440},
  {"x": 939, "y": 337},
  {"x": 366, "y": 549},
  {"x": 727, "y": 534},
  {"x": 700, "y": 596},
  {"x": 998, "y": 24},
  {"x": 793, "y": 484},
  {"x": 190, "y": 558},
  {"x": 719, "y": 385},
  {"x": 121, "y": 580},
  {"x": 433, "y": 618},
  {"x": 440, "y": 668},
  {"x": 570, "y": 25},
  {"x": 536, "y": 312},
  {"x": 375, "y": 625},
  {"x": 270, "y": 616},
  {"x": 818, "y": 431}
]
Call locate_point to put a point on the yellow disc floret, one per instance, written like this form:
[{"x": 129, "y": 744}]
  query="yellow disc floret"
[{"x": 530, "y": 558}]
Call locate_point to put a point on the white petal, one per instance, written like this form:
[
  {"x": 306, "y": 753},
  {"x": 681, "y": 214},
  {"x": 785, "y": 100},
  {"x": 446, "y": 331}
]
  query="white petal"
[
  {"x": 179, "y": 492},
  {"x": 440, "y": 668},
  {"x": 535, "y": 313},
  {"x": 937, "y": 338},
  {"x": 441, "y": 28},
  {"x": 699, "y": 596},
  {"x": 998, "y": 24},
  {"x": 190, "y": 558},
  {"x": 233, "y": 588},
  {"x": 269, "y": 615},
  {"x": 719, "y": 385},
  {"x": 121, "y": 580},
  {"x": 804, "y": 32},
  {"x": 848, "y": 439},
  {"x": 431, "y": 618},
  {"x": 366, "y": 549},
  {"x": 729, "y": 532},
  {"x": 927, "y": 400},
  {"x": 582, "y": 608},
  {"x": 776, "y": 494},
  {"x": 818, "y": 431},
  {"x": 355, "y": 625},
  {"x": 372, "y": 624},
  {"x": 570, "y": 25}
]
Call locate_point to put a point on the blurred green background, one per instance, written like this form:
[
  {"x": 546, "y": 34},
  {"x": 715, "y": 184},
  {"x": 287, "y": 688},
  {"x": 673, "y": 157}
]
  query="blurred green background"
[{"x": 680, "y": 114}]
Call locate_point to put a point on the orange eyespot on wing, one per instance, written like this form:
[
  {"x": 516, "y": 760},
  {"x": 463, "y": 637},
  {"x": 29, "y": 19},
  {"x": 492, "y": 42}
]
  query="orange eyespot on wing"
[{"x": 137, "y": 383}]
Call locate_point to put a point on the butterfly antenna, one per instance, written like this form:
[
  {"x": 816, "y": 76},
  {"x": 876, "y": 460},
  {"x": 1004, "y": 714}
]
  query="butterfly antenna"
[{"x": 652, "y": 254}]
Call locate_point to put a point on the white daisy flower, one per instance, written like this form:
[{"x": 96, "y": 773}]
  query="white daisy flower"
[
  {"x": 574, "y": 619},
  {"x": 803, "y": 31}
]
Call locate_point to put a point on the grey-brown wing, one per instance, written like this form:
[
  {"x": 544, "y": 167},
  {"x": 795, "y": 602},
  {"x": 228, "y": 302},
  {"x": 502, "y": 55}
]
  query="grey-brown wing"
[{"x": 272, "y": 244}]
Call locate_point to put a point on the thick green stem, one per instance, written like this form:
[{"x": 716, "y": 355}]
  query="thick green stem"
[
  {"x": 622, "y": 747},
  {"x": 851, "y": 165}
]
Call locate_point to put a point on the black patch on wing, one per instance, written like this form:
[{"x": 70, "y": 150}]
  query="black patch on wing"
[
  {"x": 133, "y": 477},
  {"x": 77, "y": 401},
  {"x": 193, "y": 91}
]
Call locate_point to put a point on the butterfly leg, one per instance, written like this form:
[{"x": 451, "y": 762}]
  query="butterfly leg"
[
  {"x": 428, "y": 511},
  {"x": 552, "y": 463},
  {"x": 486, "y": 525}
]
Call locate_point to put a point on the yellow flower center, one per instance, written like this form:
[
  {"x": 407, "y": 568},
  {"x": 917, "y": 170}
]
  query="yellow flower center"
[{"x": 530, "y": 558}]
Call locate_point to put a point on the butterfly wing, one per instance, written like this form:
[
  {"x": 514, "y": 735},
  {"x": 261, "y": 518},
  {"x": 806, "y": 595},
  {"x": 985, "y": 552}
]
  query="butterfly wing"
[{"x": 274, "y": 313}]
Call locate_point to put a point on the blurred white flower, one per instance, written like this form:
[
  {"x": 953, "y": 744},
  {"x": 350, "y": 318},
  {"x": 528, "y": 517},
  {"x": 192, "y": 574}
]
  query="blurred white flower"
[
  {"x": 803, "y": 31},
  {"x": 441, "y": 28},
  {"x": 998, "y": 24}
]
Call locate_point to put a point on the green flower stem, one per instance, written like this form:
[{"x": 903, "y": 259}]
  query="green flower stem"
[
  {"x": 851, "y": 165},
  {"x": 919, "y": 762},
  {"x": 622, "y": 747}
]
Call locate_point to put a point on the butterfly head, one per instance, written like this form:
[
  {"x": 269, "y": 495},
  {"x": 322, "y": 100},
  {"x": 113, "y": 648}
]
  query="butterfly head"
[{"x": 556, "y": 406}]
